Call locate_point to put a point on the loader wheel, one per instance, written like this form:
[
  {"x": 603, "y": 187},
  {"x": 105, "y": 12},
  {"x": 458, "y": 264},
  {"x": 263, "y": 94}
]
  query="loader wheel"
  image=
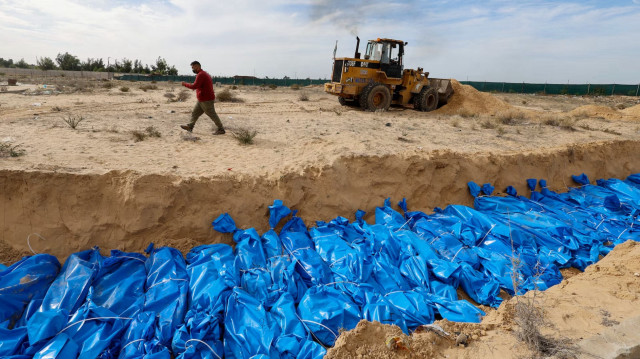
[
  {"x": 426, "y": 100},
  {"x": 344, "y": 102},
  {"x": 375, "y": 96}
]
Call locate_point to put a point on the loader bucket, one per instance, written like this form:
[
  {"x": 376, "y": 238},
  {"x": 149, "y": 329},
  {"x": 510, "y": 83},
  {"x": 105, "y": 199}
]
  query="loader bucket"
[{"x": 444, "y": 89}]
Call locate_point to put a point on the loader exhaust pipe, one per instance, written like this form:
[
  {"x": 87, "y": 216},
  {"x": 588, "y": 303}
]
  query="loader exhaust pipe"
[{"x": 357, "y": 55}]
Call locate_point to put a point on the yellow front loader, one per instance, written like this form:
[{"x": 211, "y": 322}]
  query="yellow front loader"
[{"x": 380, "y": 80}]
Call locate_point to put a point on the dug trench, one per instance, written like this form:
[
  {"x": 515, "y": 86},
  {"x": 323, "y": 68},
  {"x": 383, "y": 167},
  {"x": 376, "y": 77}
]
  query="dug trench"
[{"x": 62, "y": 213}]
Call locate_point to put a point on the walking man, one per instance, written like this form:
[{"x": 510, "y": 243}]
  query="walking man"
[{"x": 204, "y": 92}]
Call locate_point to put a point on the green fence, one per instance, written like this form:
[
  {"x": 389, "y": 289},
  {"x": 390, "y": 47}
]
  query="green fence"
[
  {"x": 556, "y": 89},
  {"x": 227, "y": 80}
]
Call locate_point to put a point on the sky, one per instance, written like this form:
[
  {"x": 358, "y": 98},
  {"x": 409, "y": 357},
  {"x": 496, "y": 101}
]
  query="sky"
[{"x": 494, "y": 40}]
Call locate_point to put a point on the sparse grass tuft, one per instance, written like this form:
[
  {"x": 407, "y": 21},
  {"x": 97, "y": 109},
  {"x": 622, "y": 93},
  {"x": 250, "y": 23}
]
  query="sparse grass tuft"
[
  {"x": 57, "y": 108},
  {"x": 244, "y": 135},
  {"x": 466, "y": 113},
  {"x": 124, "y": 89},
  {"x": 581, "y": 115},
  {"x": 139, "y": 135},
  {"x": 612, "y": 132},
  {"x": 488, "y": 124},
  {"x": 511, "y": 117},
  {"x": 303, "y": 97},
  {"x": 455, "y": 123},
  {"x": 106, "y": 85},
  {"x": 73, "y": 121},
  {"x": 8, "y": 150},
  {"x": 227, "y": 96},
  {"x": 170, "y": 96},
  {"x": 501, "y": 131},
  {"x": 153, "y": 132}
]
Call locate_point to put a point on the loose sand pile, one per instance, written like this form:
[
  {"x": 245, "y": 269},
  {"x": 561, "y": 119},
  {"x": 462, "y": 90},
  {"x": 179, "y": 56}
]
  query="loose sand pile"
[
  {"x": 467, "y": 99},
  {"x": 579, "y": 307},
  {"x": 595, "y": 111}
]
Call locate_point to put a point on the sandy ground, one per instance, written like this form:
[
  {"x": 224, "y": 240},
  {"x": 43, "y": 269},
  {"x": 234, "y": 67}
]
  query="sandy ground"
[
  {"x": 291, "y": 133},
  {"x": 98, "y": 185}
]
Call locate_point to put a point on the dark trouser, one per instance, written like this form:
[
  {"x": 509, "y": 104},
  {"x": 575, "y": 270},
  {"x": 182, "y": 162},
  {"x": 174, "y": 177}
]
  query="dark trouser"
[{"x": 208, "y": 108}]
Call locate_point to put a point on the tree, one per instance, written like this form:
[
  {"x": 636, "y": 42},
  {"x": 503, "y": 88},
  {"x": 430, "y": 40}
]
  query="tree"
[
  {"x": 137, "y": 67},
  {"x": 160, "y": 67},
  {"x": 92, "y": 65},
  {"x": 127, "y": 66},
  {"x": 45, "y": 63},
  {"x": 68, "y": 62},
  {"x": 22, "y": 64},
  {"x": 6, "y": 63},
  {"x": 172, "y": 71}
]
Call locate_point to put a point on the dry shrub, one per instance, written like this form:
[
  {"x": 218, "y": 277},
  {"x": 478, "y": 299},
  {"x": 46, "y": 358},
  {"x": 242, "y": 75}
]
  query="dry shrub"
[
  {"x": 73, "y": 121},
  {"x": 8, "y": 150},
  {"x": 295, "y": 87},
  {"x": 183, "y": 96},
  {"x": 303, "y": 97},
  {"x": 234, "y": 87},
  {"x": 148, "y": 132},
  {"x": 273, "y": 86},
  {"x": 565, "y": 123},
  {"x": 56, "y": 108},
  {"x": 529, "y": 320},
  {"x": 124, "y": 89},
  {"x": 148, "y": 87},
  {"x": 170, "y": 96},
  {"x": 511, "y": 117},
  {"x": 227, "y": 96},
  {"x": 244, "y": 135},
  {"x": 466, "y": 113},
  {"x": 3, "y": 89},
  {"x": 107, "y": 85}
]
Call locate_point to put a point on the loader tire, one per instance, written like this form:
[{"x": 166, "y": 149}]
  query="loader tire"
[
  {"x": 375, "y": 97},
  {"x": 426, "y": 100}
]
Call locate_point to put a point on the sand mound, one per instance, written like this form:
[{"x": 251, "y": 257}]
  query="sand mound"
[
  {"x": 632, "y": 111},
  {"x": 595, "y": 111},
  {"x": 580, "y": 307},
  {"x": 467, "y": 99}
]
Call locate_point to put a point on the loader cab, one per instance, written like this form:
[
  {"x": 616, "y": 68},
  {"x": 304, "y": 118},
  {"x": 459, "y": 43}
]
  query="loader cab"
[{"x": 388, "y": 53}]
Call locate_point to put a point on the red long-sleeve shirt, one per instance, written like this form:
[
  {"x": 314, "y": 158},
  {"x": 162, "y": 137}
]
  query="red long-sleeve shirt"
[{"x": 203, "y": 86}]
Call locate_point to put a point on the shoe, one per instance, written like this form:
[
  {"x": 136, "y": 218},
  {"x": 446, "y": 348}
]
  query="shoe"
[
  {"x": 220, "y": 131},
  {"x": 186, "y": 128}
]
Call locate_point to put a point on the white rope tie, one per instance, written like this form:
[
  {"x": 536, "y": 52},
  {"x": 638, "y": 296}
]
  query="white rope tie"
[
  {"x": 29, "y": 243},
  {"x": 90, "y": 319},
  {"x": 200, "y": 341},
  {"x": 168, "y": 280},
  {"x": 131, "y": 342},
  {"x": 485, "y": 236}
]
